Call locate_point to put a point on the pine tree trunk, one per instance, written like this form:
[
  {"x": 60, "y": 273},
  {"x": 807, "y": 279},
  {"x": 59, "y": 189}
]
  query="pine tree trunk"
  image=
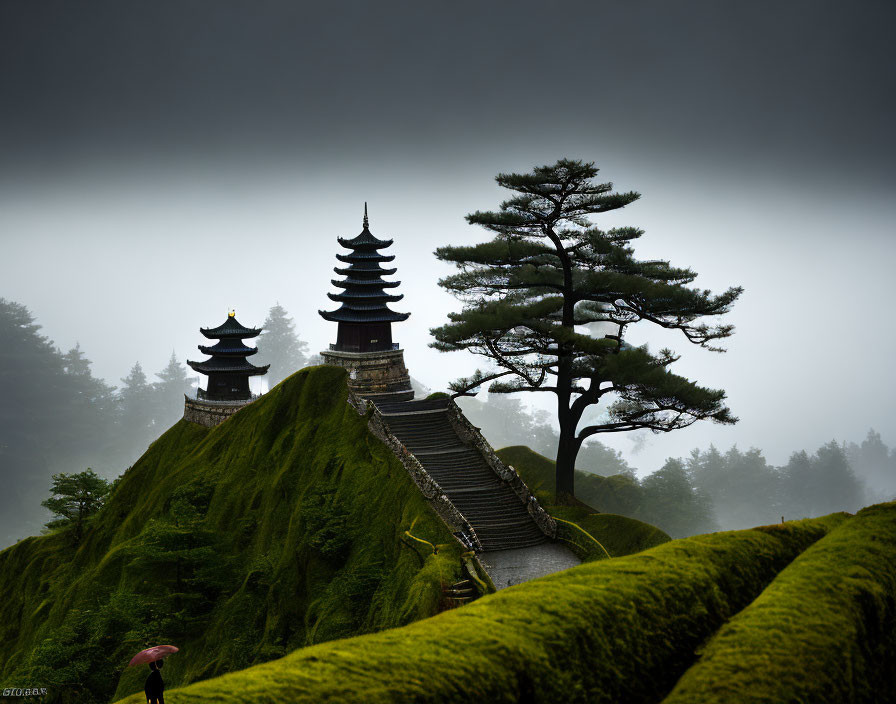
[
  {"x": 566, "y": 448},
  {"x": 566, "y": 458},
  {"x": 565, "y": 474}
]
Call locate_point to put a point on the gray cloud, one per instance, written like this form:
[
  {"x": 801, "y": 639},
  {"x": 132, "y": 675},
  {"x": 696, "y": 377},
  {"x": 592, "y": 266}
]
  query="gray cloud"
[
  {"x": 800, "y": 85},
  {"x": 150, "y": 147}
]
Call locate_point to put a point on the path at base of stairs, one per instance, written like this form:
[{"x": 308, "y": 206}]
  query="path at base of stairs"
[{"x": 509, "y": 567}]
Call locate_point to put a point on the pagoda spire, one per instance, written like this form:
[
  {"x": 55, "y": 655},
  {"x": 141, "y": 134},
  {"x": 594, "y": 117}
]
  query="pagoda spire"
[{"x": 365, "y": 223}]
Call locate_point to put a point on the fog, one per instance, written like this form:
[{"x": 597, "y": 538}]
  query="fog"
[{"x": 164, "y": 164}]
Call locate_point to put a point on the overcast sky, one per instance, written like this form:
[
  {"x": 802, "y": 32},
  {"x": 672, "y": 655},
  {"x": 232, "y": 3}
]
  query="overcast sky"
[{"x": 163, "y": 162}]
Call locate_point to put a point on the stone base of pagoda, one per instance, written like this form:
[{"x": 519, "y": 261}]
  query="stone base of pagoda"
[
  {"x": 211, "y": 413},
  {"x": 377, "y": 376}
]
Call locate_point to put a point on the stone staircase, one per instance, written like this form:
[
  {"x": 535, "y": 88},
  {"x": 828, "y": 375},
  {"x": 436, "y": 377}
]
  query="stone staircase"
[{"x": 490, "y": 505}]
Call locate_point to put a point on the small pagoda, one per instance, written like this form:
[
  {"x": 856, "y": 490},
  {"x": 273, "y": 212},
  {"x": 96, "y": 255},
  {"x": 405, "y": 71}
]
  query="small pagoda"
[
  {"x": 364, "y": 320},
  {"x": 228, "y": 373}
]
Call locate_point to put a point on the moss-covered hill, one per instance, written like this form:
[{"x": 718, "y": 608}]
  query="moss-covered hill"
[
  {"x": 810, "y": 606},
  {"x": 283, "y": 527},
  {"x": 618, "y": 493},
  {"x": 620, "y": 535}
]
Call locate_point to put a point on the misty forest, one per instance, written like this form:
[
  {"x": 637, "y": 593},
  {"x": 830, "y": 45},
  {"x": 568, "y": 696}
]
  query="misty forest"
[{"x": 404, "y": 354}]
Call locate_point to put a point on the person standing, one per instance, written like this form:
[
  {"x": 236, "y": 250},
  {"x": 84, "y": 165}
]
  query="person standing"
[{"x": 155, "y": 685}]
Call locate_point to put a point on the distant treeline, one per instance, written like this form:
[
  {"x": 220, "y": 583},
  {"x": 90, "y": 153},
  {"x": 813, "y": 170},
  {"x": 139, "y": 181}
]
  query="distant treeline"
[
  {"x": 708, "y": 490},
  {"x": 56, "y": 416}
]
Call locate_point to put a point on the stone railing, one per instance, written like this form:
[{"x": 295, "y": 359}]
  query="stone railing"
[
  {"x": 428, "y": 486},
  {"x": 470, "y": 434}
]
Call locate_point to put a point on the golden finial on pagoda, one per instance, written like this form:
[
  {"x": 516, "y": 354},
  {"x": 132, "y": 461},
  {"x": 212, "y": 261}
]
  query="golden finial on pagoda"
[{"x": 232, "y": 313}]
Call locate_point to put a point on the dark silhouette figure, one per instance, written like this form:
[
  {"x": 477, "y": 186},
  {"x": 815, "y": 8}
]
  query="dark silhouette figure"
[{"x": 154, "y": 684}]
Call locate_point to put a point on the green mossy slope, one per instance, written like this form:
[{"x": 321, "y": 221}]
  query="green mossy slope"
[
  {"x": 615, "y": 630},
  {"x": 282, "y": 527},
  {"x": 620, "y": 535},
  {"x": 823, "y": 631},
  {"x": 615, "y": 494}
]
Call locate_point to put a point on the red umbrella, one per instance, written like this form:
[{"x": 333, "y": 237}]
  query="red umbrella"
[{"x": 157, "y": 652}]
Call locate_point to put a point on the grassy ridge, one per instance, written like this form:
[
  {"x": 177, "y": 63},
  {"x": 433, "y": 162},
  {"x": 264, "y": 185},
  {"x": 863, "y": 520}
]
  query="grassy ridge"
[
  {"x": 823, "y": 631},
  {"x": 608, "y": 631},
  {"x": 279, "y": 528},
  {"x": 620, "y": 535}
]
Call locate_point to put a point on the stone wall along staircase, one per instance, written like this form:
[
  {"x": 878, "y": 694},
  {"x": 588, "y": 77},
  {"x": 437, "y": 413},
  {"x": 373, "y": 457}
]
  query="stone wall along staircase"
[{"x": 490, "y": 505}]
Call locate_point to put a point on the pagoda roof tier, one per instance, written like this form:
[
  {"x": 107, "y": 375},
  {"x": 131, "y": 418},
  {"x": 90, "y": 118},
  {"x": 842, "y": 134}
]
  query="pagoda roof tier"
[
  {"x": 366, "y": 283},
  {"x": 364, "y": 268},
  {"x": 364, "y": 296},
  {"x": 228, "y": 365},
  {"x": 229, "y": 347},
  {"x": 230, "y": 328},
  {"x": 358, "y": 256},
  {"x": 348, "y": 315},
  {"x": 367, "y": 305},
  {"x": 364, "y": 241}
]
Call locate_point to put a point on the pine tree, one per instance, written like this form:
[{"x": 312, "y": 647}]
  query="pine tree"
[
  {"x": 91, "y": 405},
  {"x": 529, "y": 293},
  {"x": 670, "y": 501},
  {"x": 135, "y": 397},
  {"x": 280, "y": 346},
  {"x": 168, "y": 393},
  {"x": 876, "y": 465},
  {"x": 76, "y": 497},
  {"x": 815, "y": 485}
]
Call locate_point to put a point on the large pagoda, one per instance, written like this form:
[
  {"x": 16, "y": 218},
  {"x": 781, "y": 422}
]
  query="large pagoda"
[
  {"x": 228, "y": 370},
  {"x": 364, "y": 334},
  {"x": 364, "y": 318}
]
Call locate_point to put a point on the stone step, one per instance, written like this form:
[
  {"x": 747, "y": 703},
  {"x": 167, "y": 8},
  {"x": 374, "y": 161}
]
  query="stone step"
[
  {"x": 496, "y": 545},
  {"x": 419, "y": 424},
  {"x": 507, "y": 503},
  {"x": 507, "y": 514},
  {"x": 467, "y": 476},
  {"x": 442, "y": 438},
  {"x": 491, "y": 541},
  {"x": 488, "y": 498},
  {"x": 417, "y": 430},
  {"x": 406, "y": 407},
  {"x": 457, "y": 458}
]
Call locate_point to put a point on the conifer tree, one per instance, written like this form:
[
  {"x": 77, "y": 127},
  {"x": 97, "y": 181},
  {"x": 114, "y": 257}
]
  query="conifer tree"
[
  {"x": 670, "y": 501},
  {"x": 91, "y": 405},
  {"x": 168, "y": 392},
  {"x": 547, "y": 273},
  {"x": 814, "y": 485},
  {"x": 875, "y": 463},
  {"x": 136, "y": 399},
  {"x": 76, "y": 497},
  {"x": 280, "y": 346}
]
